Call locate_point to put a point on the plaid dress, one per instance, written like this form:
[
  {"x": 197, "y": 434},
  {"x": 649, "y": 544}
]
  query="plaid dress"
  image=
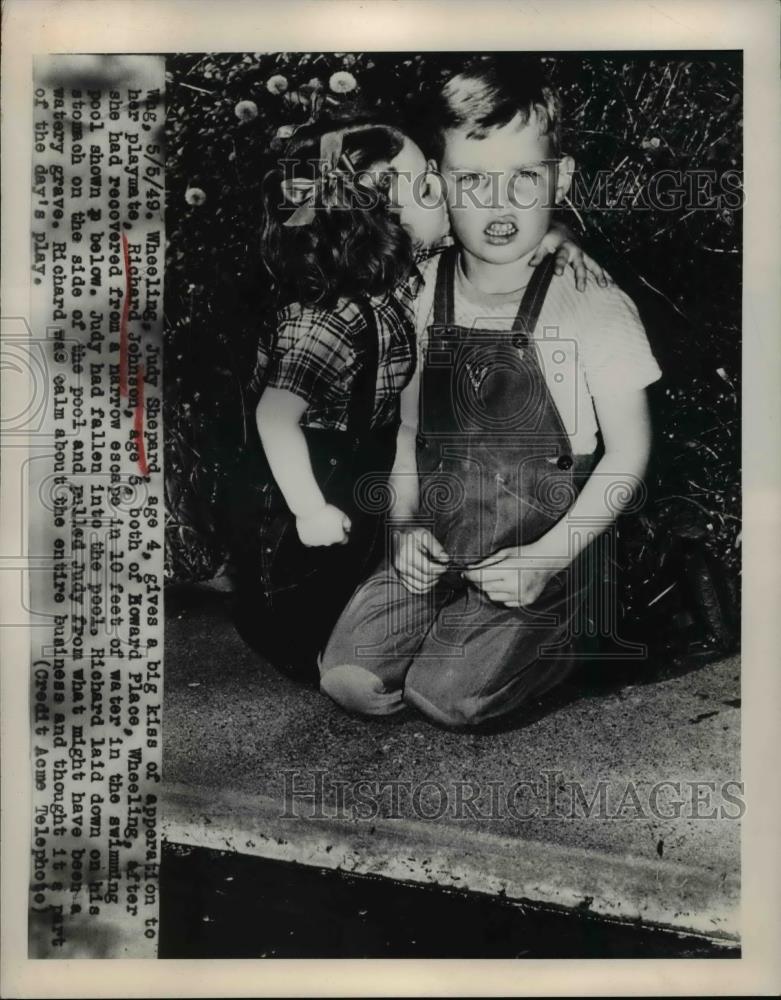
[{"x": 316, "y": 355}]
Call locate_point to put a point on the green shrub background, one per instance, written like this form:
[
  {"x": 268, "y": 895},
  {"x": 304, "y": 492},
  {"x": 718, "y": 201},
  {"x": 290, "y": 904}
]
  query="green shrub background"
[{"x": 629, "y": 115}]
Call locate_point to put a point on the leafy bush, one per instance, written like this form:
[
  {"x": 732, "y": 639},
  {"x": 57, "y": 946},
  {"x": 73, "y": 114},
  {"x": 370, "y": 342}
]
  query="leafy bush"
[{"x": 628, "y": 116}]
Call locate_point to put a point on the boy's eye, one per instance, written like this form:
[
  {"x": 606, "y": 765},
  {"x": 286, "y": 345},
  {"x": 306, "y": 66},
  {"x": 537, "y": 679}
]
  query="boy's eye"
[{"x": 472, "y": 178}]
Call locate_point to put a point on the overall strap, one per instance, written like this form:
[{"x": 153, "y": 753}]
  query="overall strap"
[
  {"x": 361, "y": 407},
  {"x": 530, "y": 305},
  {"x": 443, "y": 290},
  {"x": 534, "y": 296}
]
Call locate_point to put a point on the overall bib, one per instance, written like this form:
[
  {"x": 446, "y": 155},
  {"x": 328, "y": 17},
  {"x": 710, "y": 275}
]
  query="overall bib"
[{"x": 496, "y": 470}]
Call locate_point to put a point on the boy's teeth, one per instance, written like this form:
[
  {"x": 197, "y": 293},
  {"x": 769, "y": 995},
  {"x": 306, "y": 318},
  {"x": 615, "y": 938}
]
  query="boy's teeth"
[{"x": 501, "y": 228}]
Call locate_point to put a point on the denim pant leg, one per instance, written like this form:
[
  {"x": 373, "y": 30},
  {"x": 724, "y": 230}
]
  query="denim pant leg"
[
  {"x": 365, "y": 662},
  {"x": 487, "y": 660}
]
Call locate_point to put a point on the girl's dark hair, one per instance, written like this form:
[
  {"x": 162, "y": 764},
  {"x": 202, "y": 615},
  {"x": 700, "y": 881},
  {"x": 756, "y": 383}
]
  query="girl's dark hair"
[{"x": 352, "y": 247}]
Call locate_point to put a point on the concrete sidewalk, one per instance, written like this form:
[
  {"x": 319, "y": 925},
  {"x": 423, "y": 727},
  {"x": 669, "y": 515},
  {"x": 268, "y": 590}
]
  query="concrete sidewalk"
[{"x": 562, "y": 807}]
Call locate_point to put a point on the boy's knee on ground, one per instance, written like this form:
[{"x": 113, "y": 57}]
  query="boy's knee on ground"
[
  {"x": 363, "y": 622},
  {"x": 457, "y": 711},
  {"x": 444, "y": 694},
  {"x": 359, "y": 690}
]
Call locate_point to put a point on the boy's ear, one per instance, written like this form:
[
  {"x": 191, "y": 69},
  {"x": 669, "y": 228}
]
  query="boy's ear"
[
  {"x": 565, "y": 169},
  {"x": 432, "y": 188}
]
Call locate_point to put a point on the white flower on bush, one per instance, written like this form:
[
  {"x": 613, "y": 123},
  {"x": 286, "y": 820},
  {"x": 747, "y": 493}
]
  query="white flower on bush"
[
  {"x": 195, "y": 196},
  {"x": 284, "y": 132},
  {"x": 276, "y": 84},
  {"x": 246, "y": 111},
  {"x": 342, "y": 82}
]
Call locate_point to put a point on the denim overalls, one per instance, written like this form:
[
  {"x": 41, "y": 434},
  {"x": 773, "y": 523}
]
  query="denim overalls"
[
  {"x": 495, "y": 463},
  {"x": 496, "y": 470}
]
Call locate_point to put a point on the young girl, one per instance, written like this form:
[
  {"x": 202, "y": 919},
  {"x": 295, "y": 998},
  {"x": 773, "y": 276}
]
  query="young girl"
[{"x": 347, "y": 209}]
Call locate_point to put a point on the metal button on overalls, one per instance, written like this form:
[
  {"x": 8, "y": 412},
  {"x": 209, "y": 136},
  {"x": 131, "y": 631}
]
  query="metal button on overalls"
[{"x": 520, "y": 340}]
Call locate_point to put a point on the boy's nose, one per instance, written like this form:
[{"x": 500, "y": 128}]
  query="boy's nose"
[
  {"x": 504, "y": 194},
  {"x": 493, "y": 194},
  {"x": 505, "y": 198}
]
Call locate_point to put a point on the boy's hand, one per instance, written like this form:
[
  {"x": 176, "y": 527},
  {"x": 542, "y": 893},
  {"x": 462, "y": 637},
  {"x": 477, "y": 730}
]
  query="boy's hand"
[
  {"x": 327, "y": 526},
  {"x": 514, "y": 577},
  {"x": 418, "y": 558},
  {"x": 560, "y": 240}
]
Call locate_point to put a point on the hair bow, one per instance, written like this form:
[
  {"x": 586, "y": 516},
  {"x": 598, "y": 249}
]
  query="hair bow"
[{"x": 304, "y": 192}]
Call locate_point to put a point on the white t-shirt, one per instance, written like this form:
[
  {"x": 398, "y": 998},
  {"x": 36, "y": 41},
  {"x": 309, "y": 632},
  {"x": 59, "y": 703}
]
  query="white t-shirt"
[{"x": 589, "y": 343}]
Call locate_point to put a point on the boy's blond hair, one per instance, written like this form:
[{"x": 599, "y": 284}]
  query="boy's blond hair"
[{"x": 488, "y": 93}]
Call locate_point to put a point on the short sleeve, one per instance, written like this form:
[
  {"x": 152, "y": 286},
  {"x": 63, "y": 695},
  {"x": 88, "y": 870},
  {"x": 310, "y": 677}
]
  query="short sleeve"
[
  {"x": 312, "y": 355},
  {"x": 616, "y": 354},
  {"x": 255, "y": 384}
]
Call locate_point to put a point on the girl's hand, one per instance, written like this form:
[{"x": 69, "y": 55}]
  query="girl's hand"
[
  {"x": 561, "y": 240},
  {"x": 327, "y": 526}
]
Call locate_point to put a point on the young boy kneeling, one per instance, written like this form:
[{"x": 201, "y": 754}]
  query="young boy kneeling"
[{"x": 500, "y": 485}]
